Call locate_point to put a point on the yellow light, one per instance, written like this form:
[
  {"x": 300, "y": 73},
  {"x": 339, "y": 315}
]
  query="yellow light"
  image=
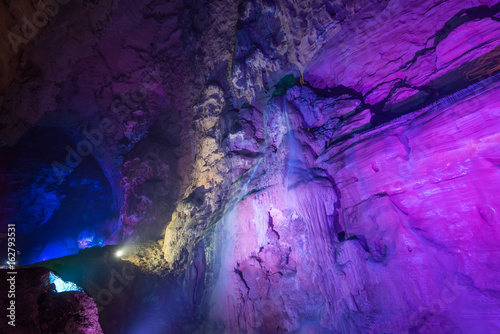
[{"x": 119, "y": 253}]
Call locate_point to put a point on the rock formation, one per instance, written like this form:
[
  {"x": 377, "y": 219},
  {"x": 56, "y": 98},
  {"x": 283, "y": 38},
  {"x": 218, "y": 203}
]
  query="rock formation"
[{"x": 262, "y": 166}]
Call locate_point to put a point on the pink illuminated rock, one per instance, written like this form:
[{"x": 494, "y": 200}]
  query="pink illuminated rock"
[{"x": 41, "y": 306}]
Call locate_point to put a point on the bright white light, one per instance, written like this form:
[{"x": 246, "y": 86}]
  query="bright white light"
[
  {"x": 61, "y": 285},
  {"x": 119, "y": 253}
]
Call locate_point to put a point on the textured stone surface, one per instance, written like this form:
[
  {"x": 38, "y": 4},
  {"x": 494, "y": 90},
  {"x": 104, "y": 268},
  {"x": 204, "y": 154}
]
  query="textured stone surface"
[
  {"x": 380, "y": 233},
  {"x": 309, "y": 166}
]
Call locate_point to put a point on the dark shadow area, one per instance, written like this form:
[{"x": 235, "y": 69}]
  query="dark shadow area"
[{"x": 52, "y": 218}]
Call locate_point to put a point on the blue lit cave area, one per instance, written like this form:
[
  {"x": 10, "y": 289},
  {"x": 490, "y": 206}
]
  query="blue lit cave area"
[
  {"x": 250, "y": 166},
  {"x": 56, "y": 212}
]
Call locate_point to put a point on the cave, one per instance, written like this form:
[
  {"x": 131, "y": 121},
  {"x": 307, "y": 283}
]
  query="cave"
[{"x": 251, "y": 166}]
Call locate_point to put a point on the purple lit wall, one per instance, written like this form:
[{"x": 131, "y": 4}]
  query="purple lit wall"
[{"x": 261, "y": 166}]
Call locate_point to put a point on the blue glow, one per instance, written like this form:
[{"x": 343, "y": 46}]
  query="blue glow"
[
  {"x": 89, "y": 238},
  {"x": 64, "y": 247},
  {"x": 62, "y": 286}
]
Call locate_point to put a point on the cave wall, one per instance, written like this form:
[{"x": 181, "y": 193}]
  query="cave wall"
[
  {"x": 116, "y": 83},
  {"x": 310, "y": 166}
]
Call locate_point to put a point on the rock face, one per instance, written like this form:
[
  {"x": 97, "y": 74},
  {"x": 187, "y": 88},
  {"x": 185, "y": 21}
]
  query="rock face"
[
  {"x": 43, "y": 310},
  {"x": 311, "y": 167}
]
